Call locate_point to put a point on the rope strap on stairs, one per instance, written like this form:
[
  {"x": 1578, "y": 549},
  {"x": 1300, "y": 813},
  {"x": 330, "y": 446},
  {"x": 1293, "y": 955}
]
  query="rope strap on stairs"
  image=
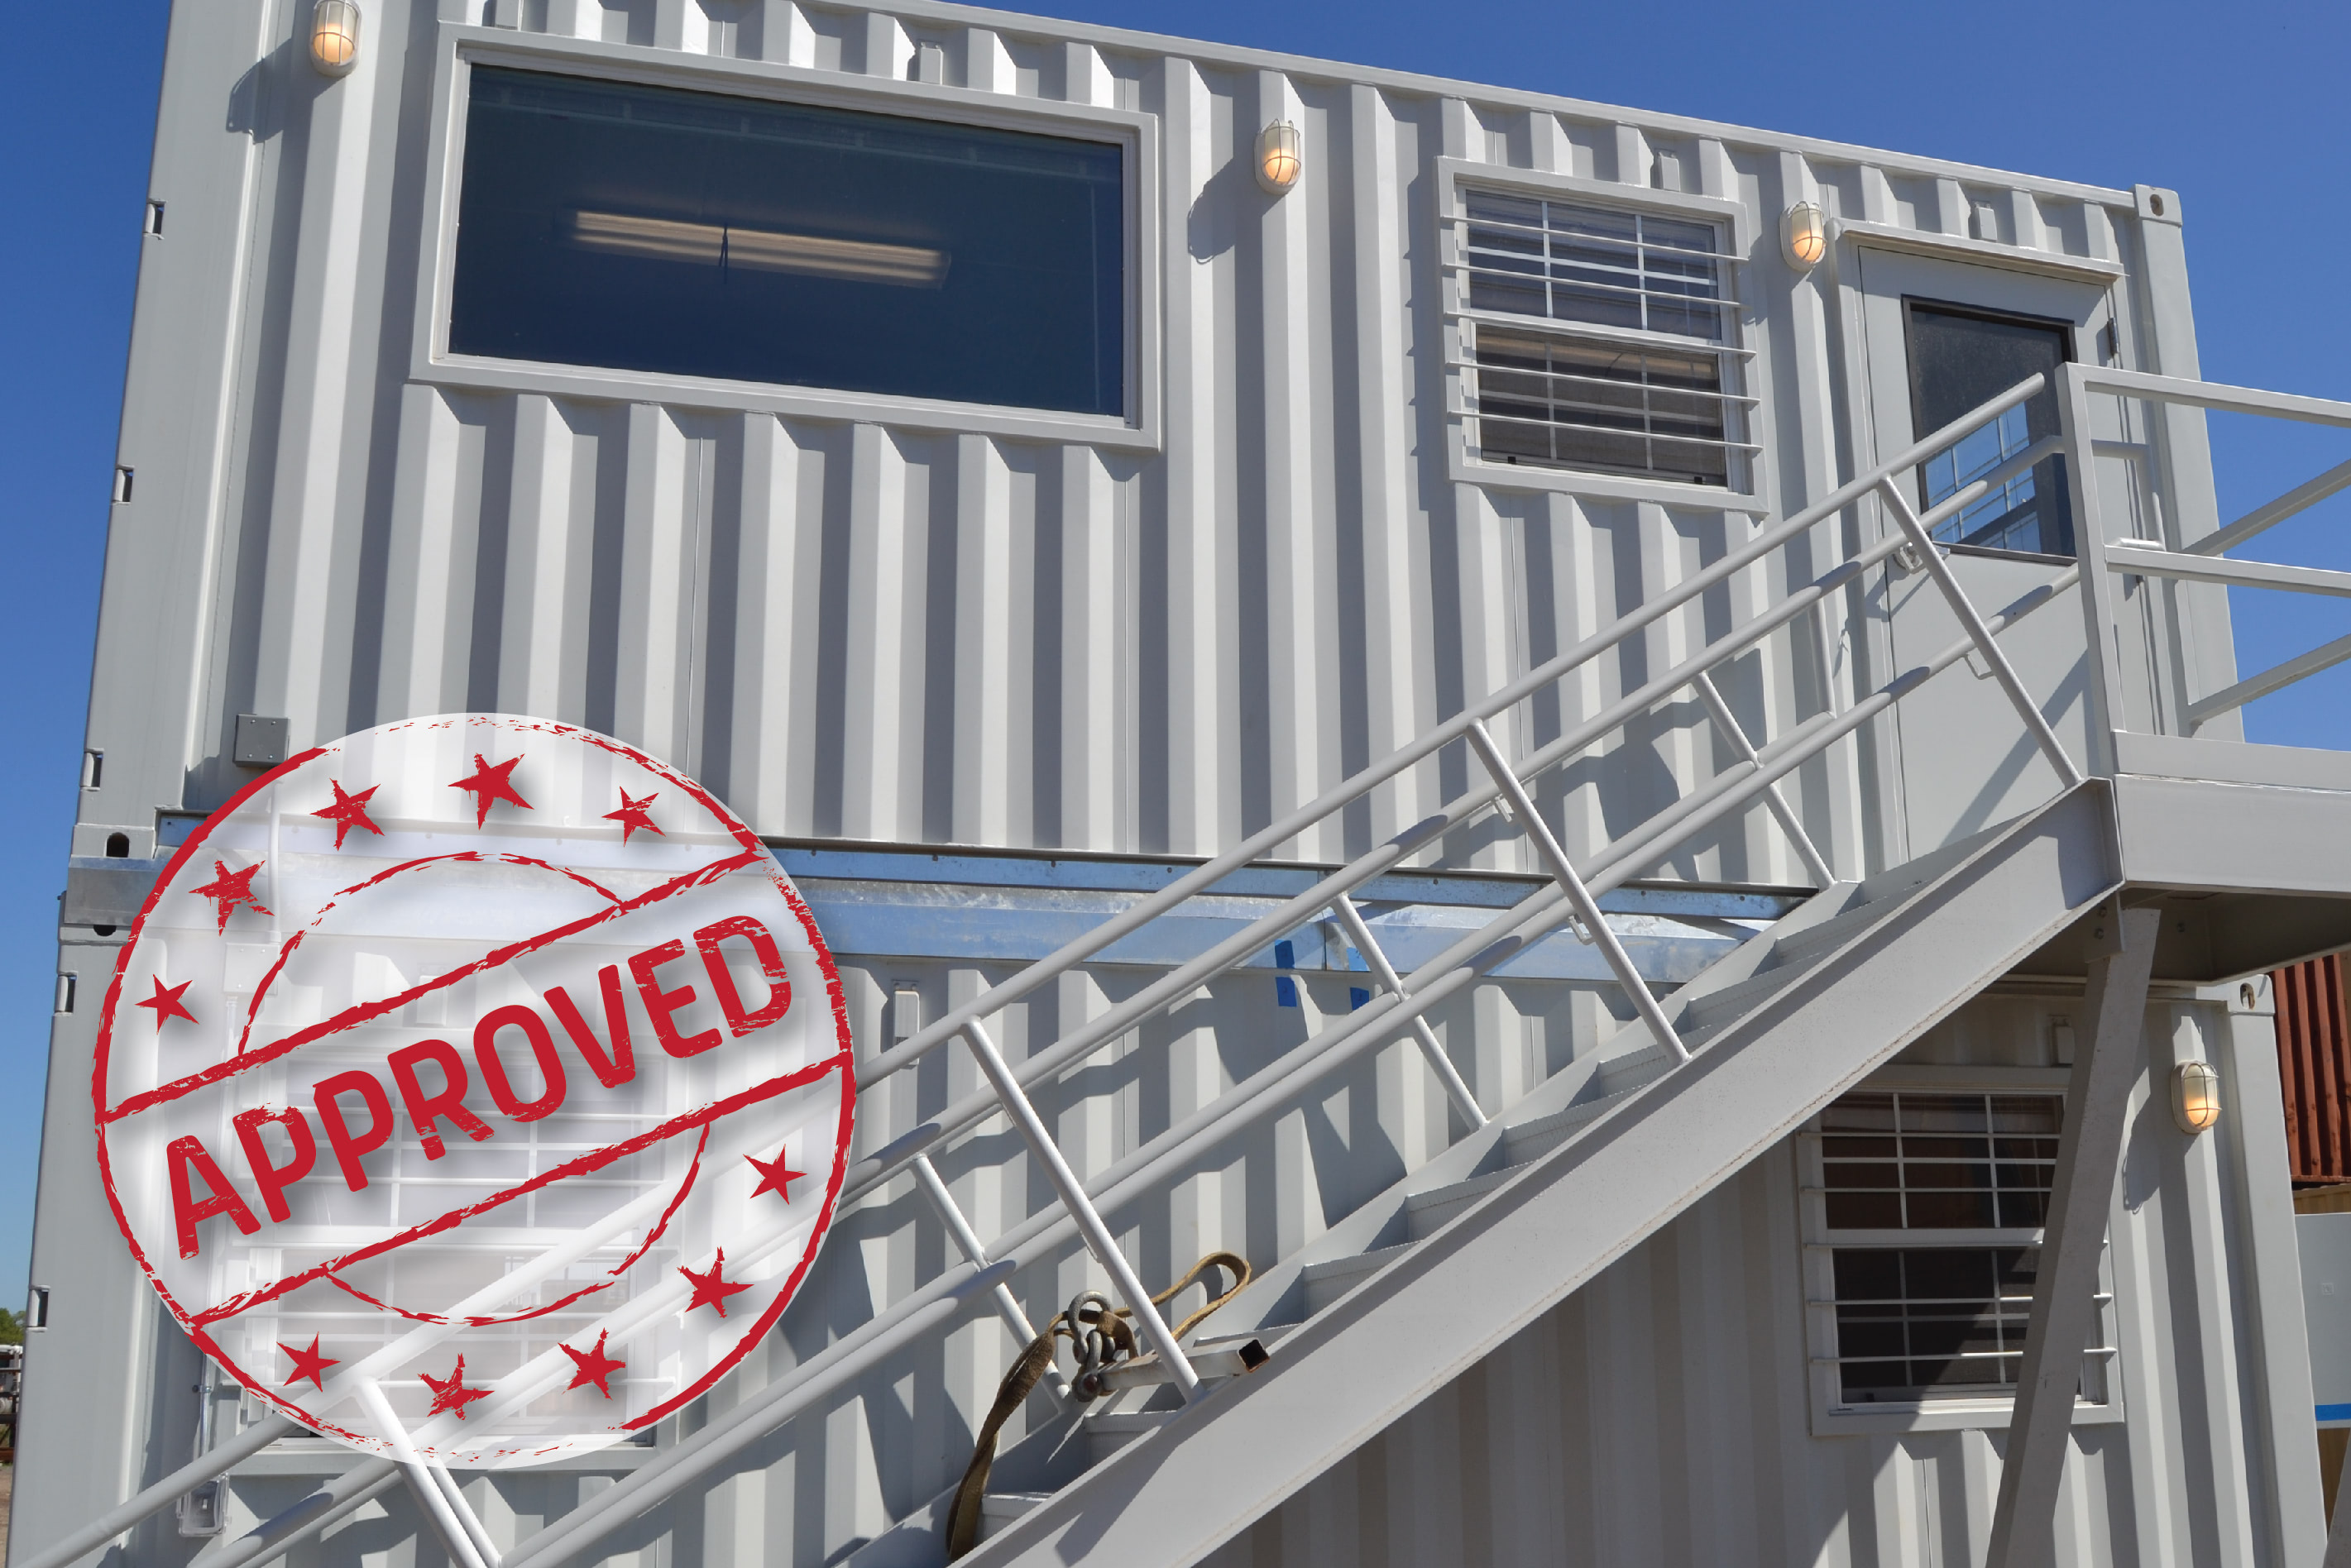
[{"x": 1103, "y": 1337}]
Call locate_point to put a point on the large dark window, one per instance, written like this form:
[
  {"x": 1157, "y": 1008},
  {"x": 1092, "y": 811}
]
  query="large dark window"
[
  {"x": 1960, "y": 359},
  {"x": 638, "y": 228}
]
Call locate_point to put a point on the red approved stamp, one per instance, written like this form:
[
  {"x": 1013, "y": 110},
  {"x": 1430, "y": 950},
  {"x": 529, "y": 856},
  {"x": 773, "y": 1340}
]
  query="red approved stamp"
[{"x": 474, "y": 1089}]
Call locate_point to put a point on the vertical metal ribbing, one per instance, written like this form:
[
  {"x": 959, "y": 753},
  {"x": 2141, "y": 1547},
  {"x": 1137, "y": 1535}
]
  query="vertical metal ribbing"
[
  {"x": 1360, "y": 933},
  {"x": 967, "y": 1240},
  {"x": 1099, "y": 1241},
  {"x": 1964, "y": 608},
  {"x": 1587, "y": 909},
  {"x": 1728, "y": 722}
]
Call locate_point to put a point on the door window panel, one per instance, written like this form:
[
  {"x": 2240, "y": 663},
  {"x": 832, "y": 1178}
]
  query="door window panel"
[{"x": 1960, "y": 359}]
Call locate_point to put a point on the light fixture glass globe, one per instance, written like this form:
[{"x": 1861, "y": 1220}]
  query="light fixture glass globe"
[
  {"x": 2195, "y": 1096},
  {"x": 1804, "y": 234},
  {"x": 1279, "y": 159},
  {"x": 335, "y": 37}
]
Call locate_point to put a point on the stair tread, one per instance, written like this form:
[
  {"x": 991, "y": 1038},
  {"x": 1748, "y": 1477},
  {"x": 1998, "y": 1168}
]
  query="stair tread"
[
  {"x": 1737, "y": 998},
  {"x": 1455, "y": 1191},
  {"x": 1835, "y": 929},
  {"x": 1354, "y": 1262}
]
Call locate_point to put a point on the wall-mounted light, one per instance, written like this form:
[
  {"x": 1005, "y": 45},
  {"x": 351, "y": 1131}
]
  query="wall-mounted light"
[
  {"x": 335, "y": 37},
  {"x": 1804, "y": 235},
  {"x": 2195, "y": 1096},
  {"x": 1278, "y": 156}
]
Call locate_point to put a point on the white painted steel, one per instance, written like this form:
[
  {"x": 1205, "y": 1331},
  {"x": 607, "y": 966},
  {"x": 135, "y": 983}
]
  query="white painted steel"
[
  {"x": 1082, "y": 1212},
  {"x": 2028, "y": 708},
  {"x": 968, "y": 1242},
  {"x": 2148, "y": 560},
  {"x": 2110, "y": 1056},
  {"x": 459, "y": 1538},
  {"x": 1461, "y": 965},
  {"x": 1184, "y": 1490},
  {"x": 1165, "y": 1158},
  {"x": 1590, "y": 924},
  {"x": 910, "y": 624},
  {"x": 1727, "y": 724},
  {"x": 1432, "y": 1050}
]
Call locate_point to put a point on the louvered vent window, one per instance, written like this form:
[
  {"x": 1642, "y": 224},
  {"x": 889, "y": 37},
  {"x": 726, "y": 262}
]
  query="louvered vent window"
[
  {"x": 1929, "y": 1214},
  {"x": 1650, "y": 392}
]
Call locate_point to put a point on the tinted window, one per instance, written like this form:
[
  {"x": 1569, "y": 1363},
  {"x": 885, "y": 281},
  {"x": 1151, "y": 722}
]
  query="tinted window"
[
  {"x": 642, "y": 228},
  {"x": 1960, "y": 359}
]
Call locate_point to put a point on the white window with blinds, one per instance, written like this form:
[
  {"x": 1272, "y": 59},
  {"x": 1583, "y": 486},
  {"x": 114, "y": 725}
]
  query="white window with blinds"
[
  {"x": 1923, "y": 1208},
  {"x": 1599, "y": 339}
]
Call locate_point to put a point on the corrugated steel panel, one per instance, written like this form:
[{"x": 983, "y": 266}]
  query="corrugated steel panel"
[
  {"x": 888, "y": 630},
  {"x": 2313, "y": 1041},
  {"x": 893, "y": 630},
  {"x": 1661, "y": 1416}
]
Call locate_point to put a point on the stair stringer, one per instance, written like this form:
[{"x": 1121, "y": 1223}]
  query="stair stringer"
[{"x": 1445, "y": 1303}]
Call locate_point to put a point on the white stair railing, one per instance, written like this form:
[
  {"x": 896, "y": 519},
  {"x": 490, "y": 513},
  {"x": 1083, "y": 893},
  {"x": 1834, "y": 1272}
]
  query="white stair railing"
[{"x": 1569, "y": 898}]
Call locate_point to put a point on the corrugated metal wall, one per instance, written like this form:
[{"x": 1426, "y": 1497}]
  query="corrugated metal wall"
[
  {"x": 2314, "y": 1040},
  {"x": 1660, "y": 1416},
  {"x": 884, "y": 630}
]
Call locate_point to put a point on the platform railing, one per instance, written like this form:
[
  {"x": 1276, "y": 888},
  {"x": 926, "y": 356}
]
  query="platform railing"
[
  {"x": 1568, "y": 899},
  {"x": 2207, "y": 560}
]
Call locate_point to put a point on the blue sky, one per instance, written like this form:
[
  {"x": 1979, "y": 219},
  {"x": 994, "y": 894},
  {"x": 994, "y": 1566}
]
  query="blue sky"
[{"x": 2239, "y": 108}]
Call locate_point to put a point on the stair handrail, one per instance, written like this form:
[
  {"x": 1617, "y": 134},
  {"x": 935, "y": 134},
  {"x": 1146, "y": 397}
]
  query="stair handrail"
[
  {"x": 1564, "y": 899},
  {"x": 938, "y": 1302},
  {"x": 2205, "y": 560},
  {"x": 1348, "y": 791}
]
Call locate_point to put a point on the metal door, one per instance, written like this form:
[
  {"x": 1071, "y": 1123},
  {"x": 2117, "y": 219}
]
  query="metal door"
[{"x": 1938, "y": 338}]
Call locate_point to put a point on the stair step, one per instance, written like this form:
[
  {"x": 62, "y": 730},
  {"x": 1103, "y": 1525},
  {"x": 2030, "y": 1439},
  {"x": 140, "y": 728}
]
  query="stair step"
[
  {"x": 1530, "y": 1139},
  {"x": 1426, "y": 1213},
  {"x": 1327, "y": 1281},
  {"x": 999, "y": 1508},
  {"x": 1721, "y": 1006},
  {"x": 1834, "y": 930},
  {"x": 1113, "y": 1430}
]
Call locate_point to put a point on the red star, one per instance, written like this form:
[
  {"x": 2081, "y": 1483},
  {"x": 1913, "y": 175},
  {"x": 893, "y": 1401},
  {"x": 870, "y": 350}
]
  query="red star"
[
  {"x": 307, "y": 1364},
  {"x": 229, "y": 888},
  {"x": 348, "y": 811},
  {"x": 773, "y": 1177},
  {"x": 709, "y": 1290},
  {"x": 633, "y": 814},
  {"x": 449, "y": 1393},
  {"x": 594, "y": 1365},
  {"x": 166, "y": 1002},
  {"x": 490, "y": 784}
]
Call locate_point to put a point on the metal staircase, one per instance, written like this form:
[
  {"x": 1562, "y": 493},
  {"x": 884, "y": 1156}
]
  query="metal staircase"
[
  {"x": 1779, "y": 1026},
  {"x": 1650, "y": 1071},
  {"x": 1531, "y": 1200}
]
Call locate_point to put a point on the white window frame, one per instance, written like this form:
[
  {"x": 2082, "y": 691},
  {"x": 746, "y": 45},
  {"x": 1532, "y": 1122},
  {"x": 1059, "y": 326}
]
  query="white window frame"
[
  {"x": 1465, "y": 462},
  {"x": 1832, "y": 1417},
  {"x": 1139, "y": 430}
]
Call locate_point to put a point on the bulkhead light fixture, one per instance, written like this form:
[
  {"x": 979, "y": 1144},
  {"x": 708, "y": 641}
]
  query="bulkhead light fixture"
[
  {"x": 1804, "y": 232},
  {"x": 335, "y": 37},
  {"x": 2195, "y": 1096},
  {"x": 1278, "y": 158}
]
